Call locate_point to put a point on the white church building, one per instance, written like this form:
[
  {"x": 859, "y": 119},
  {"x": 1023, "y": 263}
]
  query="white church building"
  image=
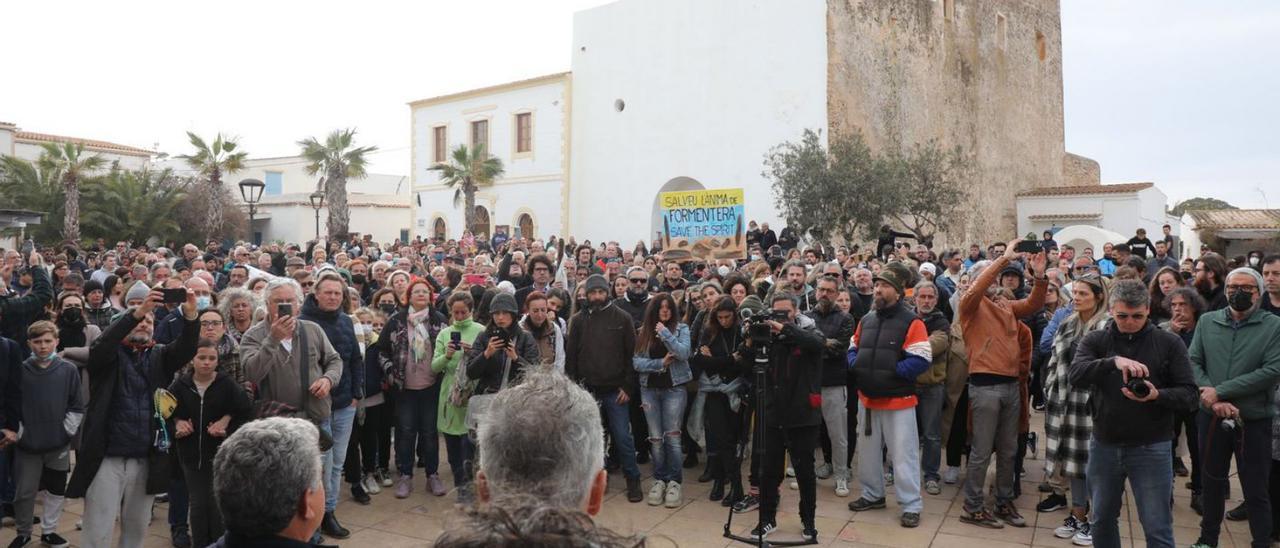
[{"x": 653, "y": 103}]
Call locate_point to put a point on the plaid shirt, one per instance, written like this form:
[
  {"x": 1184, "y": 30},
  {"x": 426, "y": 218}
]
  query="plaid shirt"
[{"x": 1068, "y": 423}]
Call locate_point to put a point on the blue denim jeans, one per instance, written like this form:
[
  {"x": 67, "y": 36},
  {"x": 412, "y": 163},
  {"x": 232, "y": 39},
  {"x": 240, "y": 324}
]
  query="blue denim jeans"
[
  {"x": 929, "y": 423},
  {"x": 1149, "y": 469},
  {"x": 664, "y": 411},
  {"x": 416, "y": 412},
  {"x": 617, "y": 417},
  {"x": 461, "y": 457},
  {"x": 340, "y": 424}
]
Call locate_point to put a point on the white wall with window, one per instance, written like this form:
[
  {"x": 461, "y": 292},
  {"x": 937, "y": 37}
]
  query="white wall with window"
[{"x": 522, "y": 123}]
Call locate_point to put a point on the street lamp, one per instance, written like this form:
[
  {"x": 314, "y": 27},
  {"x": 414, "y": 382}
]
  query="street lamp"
[
  {"x": 317, "y": 202},
  {"x": 251, "y": 192}
]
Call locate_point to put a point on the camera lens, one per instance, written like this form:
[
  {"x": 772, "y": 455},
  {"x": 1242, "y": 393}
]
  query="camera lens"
[{"x": 1139, "y": 387}]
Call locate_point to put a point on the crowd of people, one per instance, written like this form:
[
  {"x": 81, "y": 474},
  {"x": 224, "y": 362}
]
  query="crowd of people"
[{"x": 141, "y": 371}]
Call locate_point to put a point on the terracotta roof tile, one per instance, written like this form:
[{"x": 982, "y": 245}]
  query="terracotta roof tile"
[
  {"x": 91, "y": 144},
  {"x": 490, "y": 89},
  {"x": 1087, "y": 189},
  {"x": 1236, "y": 218}
]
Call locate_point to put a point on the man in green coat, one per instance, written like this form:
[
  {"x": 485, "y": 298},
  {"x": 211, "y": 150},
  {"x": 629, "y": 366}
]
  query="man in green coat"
[{"x": 1235, "y": 355}]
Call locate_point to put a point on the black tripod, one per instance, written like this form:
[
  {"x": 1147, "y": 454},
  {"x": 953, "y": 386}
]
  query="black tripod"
[{"x": 759, "y": 367}]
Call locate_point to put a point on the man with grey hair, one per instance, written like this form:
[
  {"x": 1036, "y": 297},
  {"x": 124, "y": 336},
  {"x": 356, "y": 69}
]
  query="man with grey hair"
[
  {"x": 542, "y": 440},
  {"x": 1235, "y": 355},
  {"x": 272, "y": 352},
  {"x": 268, "y": 483},
  {"x": 1132, "y": 421}
]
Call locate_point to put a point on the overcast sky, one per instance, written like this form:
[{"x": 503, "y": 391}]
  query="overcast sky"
[{"x": 1179, "y": 92}]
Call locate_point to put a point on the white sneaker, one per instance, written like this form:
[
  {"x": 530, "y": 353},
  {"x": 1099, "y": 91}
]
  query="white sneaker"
[
  {"x": 794, "y": 485},
  {"x": 674, "y": 497},
  {"x": 371, "y": 485},
  {"x": 842, "y": 487},
  {"x": 791, "y": 472},
  {"x": 657, "y": 493},
  {"x": 951, "y": 475},
  {"x": 1083, "y": 537},
  {"x": 1070, "y": 526},
  {"x": 823, "y": 471}
]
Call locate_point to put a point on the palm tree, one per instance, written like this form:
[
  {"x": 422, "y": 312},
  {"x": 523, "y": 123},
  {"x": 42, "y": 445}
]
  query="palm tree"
[
  {"x": 136, "y": 205},
  {"x": 466, "y": 172},
  {"x": 66, "y": 160},
  {"x": 25, "y": 185},
  {"x": 211, "y": 162},
  {"x": 336, "y": 160}
]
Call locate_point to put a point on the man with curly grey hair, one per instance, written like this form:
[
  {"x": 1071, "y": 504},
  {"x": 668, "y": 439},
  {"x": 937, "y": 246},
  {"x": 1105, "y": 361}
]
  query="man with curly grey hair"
[{"x": 267, "y": 479}]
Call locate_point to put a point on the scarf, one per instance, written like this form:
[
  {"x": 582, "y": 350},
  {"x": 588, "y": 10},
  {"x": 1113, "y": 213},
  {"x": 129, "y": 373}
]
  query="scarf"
[{"x": 419, "y": 336}]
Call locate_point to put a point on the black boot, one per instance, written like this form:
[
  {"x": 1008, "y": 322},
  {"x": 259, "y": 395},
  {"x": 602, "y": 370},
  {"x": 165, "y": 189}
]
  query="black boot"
[
  {"x": 359, "y": 495},
  {"x": 735, "y": 494},
  {"x": 331, "y": 528},
  {"x": 691, "y": 460},
  {"x": 180, "y": 536},
  {"x": 633, "y": 490},
  {"x": 717, "y": 490}
]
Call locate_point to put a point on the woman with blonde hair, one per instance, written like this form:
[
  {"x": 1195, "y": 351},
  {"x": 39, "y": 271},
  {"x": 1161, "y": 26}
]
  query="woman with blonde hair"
[{"x": 1068, "y": 422}]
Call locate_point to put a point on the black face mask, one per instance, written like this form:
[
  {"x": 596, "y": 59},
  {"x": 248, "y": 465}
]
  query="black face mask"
[
  {"x": 387, "y": 309},
  {"x": 1240, "y": 301},
  {"x": 71, "y": 317},
  {"x": 358, "y": 279}
]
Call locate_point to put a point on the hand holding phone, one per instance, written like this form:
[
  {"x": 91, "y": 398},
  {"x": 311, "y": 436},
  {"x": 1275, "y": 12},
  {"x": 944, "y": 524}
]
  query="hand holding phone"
[{"x": 177, "y": 295}]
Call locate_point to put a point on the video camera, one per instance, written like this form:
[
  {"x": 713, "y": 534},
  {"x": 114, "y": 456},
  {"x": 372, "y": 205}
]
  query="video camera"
[{"x": 755, "y": 327}]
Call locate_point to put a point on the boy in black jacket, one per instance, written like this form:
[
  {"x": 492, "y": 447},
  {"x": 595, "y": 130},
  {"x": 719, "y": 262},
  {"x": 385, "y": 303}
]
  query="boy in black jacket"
[
  {"x": 1132, "y": 427},
  {"x": 48, "y": 414}
]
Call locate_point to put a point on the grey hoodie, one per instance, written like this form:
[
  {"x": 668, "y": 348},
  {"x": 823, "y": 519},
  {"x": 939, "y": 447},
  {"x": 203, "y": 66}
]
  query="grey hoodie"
[{"x": 52, "y": 406}]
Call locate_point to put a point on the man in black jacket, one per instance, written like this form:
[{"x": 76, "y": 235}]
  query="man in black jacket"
[
  {"x": 637, "y": 297},
  {"x": 122, "y": 461},
  {"x": 602, "y": 339},
  {"x": 1132, "y": 426},
  {"x": 16, "y": 313},
  {"x": 792, "y": 412},
  {"x": 836, "y": 328}
]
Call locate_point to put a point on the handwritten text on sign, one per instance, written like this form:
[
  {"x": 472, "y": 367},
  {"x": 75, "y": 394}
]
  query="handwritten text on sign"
[{"x": 712, "y": 217}]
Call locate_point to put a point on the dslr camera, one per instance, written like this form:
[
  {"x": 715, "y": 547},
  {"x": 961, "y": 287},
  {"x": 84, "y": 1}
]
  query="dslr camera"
[
  {"x": 1138, "y": 386},
  {"x": 755, "y": 327}
]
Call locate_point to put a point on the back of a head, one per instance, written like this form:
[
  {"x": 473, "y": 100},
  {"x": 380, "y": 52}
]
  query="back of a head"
[
  {"x": 262, "y": 471},
  {"x": 529, "y": 523},
  {"x": 542, "y": 438}
]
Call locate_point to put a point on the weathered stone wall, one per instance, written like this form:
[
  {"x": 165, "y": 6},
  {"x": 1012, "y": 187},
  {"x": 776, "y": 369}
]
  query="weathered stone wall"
[
  {"x": 1078, "y": 170},
  {"x": 903, "y": 72}
]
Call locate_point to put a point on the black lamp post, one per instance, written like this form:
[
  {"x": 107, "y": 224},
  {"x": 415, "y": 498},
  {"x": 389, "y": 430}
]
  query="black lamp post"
[
  {"x": 251, "y": 192},
  {"x": 317, "y": 202}
]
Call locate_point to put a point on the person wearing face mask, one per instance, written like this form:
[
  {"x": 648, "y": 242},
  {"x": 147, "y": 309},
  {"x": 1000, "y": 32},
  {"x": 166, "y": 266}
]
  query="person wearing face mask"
[
  {"x": 50, "y": 407},
  {"x": 1235, "y": 356},
  {"x": 168, "y": 329},
  {"x": 98, "y": 310},
  {"x": 602, "y": 338},
  {"x": 119, "y": 464}
]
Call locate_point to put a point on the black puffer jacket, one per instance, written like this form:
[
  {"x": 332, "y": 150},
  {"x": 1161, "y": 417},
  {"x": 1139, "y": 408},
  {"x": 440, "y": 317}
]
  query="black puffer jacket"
[
  {"x": 488, "y": 371},
  {"x": 838, "y": 326}
]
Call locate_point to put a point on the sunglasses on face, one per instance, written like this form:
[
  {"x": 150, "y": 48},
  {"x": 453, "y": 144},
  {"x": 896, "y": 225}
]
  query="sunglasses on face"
[{"x": 1123, "y": 316}]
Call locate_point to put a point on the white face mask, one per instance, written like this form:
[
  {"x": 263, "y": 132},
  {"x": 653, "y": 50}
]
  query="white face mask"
[{"x": 1253, "y": 261}]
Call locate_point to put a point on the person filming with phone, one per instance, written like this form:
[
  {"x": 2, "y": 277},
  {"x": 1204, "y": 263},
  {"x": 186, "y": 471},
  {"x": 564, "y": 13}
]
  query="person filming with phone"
[{"x": 1139, "y": 379}]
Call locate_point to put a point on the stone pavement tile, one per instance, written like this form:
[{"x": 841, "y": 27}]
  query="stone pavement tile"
[
  {"x": 994, "y": 539},
  {"x": 891, "y": 534},
  {"x": 416, "y": 526},
  {"x": 683, "y": 530},
  {"x": 383, "y": 539}
]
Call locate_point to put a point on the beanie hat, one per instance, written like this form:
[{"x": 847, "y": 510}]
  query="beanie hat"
[
  {"x": 503, "y": 302},
  {"x": 895, "y": 274},
  {"x": 928, "y": 267},
  {"x": 752, "y": 303},
  {"x": 1249, "y": 271},
  {"x": 92, "y": 285},
  {"x": 596, "y": 281},
  {"x": 139, "y": 291}
]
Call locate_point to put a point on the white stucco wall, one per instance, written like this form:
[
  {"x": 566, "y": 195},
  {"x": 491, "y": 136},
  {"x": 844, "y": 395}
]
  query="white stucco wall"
[
  {"x": 290, "y": 218},
  {"x": 32, "y": 151},
  {"x": 6, "y": 140},
  {"x": 532, "y": 182},
  {"x": 1122, "y": 213},
  {"x": 709, "y": 87}
]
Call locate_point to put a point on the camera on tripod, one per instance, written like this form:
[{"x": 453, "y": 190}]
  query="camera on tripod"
[{"x": 756, "y": 327}]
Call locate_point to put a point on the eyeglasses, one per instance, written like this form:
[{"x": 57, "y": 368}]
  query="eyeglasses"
[
  {"x": 211, "y": 323},
  {"x": 639, "y": 281},
  {"x": 1125, "y": 317},
  {"x": 307, "y": 284},
  {"x": 1245, "y": 288}
]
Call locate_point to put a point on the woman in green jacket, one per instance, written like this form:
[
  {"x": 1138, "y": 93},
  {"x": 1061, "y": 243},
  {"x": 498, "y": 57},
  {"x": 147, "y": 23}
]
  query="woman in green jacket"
[{"x": 452, "y": 413}]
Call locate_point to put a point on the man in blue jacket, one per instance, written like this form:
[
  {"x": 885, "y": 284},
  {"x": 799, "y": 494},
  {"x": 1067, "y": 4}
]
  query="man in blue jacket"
[{"x": 324, "y": 307}]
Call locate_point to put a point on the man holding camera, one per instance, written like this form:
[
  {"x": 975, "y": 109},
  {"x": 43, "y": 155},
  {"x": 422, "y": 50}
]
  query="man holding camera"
[
  {"x": 1235, "y": 356},
  {"x": 792, "y": 410},
  {"x": 1139, "y": 379}
]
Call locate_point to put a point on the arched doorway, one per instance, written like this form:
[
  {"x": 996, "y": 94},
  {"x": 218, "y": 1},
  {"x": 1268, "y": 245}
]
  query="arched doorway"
[
  {"x": 439, "y": 230},
  {"x": 674, "y": 185},
  {"x": 525, "y": 225},
  {"x": 480, "y": 227}
]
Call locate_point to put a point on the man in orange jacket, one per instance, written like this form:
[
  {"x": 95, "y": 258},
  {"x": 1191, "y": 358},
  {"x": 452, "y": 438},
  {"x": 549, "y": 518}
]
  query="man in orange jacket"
[{"x": 988, "y": 317}]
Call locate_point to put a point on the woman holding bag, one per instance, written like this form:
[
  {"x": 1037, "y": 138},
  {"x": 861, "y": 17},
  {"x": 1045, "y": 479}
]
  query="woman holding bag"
[{"x": 452, "y": 344}]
